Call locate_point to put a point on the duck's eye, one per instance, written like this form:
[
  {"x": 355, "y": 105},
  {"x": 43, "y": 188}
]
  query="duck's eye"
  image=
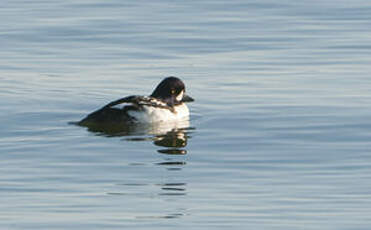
[{"x": 173, "y": 91}]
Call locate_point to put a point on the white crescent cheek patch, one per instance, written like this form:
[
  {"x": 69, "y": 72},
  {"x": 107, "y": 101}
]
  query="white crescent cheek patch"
[{"x": 180, "y": 96}]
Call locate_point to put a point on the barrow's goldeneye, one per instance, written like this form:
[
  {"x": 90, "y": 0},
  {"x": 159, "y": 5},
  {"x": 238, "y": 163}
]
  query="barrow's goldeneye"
[{"x": 166, "y": 103}]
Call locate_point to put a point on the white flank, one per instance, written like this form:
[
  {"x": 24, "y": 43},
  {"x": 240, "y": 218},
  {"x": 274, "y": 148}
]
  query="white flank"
[{"x": 151, "y": 114}]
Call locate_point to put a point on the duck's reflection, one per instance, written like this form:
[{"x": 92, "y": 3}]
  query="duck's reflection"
[
  {"x": 171, "y": 135},
  {"x": 167, "y": 189},
  {"x": 166, "y": 192},
  {"x": 174, "y": 141},
  {"x": 169, "y": 138}
]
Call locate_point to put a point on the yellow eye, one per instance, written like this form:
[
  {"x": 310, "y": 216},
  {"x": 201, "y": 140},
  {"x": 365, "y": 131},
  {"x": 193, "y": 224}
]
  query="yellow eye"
[{"x": 173, "y": 91}]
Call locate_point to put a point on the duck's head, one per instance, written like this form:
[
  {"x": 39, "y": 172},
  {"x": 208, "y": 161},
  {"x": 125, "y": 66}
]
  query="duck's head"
[{"x": 172, "y": 91}]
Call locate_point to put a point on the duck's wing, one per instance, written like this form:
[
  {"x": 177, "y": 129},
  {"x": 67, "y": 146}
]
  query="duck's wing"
[
  {"x": 138, "y": 102},
  {"x": 113, "y": 112},
  {"x": 117, "y": 111},
  {"x": 123, "y": 101}
]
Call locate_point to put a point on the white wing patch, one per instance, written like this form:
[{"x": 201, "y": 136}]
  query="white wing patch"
[
  {"x": 139, "y": 101},
  {"x": 120, "y": 106},
  {"x": 152, "y": 102}
]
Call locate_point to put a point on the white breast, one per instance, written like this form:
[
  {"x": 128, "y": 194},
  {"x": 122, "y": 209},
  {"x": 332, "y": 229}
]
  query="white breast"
[{"x": 151, "y": 114}]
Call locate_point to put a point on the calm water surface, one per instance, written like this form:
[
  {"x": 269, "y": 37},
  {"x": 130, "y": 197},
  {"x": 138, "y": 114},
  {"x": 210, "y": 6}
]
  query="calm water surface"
[{"x": 280, "y": 132}]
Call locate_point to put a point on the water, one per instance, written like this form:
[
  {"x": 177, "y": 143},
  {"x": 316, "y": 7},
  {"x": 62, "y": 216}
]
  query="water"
[{"x": 279, "y": 136}]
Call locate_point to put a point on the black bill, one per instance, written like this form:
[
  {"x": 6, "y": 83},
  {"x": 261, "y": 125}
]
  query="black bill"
[{"x": 187, "y": 98}]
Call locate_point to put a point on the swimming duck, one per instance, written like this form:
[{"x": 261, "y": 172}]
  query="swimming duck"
[{"x": 166, "y": 103}]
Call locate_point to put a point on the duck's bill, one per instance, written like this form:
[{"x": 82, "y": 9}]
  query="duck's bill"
[{"x": 187, "y": 98}]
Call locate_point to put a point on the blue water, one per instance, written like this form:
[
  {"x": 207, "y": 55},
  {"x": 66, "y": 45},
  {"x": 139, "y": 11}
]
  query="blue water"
[{"x": 279, "y": 136}]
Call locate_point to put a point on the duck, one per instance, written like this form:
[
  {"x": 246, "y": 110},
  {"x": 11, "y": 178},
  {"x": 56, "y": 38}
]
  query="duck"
[{"x": 167, "y": 103}]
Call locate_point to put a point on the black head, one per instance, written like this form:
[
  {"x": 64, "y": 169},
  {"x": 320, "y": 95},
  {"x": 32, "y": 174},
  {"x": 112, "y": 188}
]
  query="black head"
[{"x": 172, "y": 91}]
